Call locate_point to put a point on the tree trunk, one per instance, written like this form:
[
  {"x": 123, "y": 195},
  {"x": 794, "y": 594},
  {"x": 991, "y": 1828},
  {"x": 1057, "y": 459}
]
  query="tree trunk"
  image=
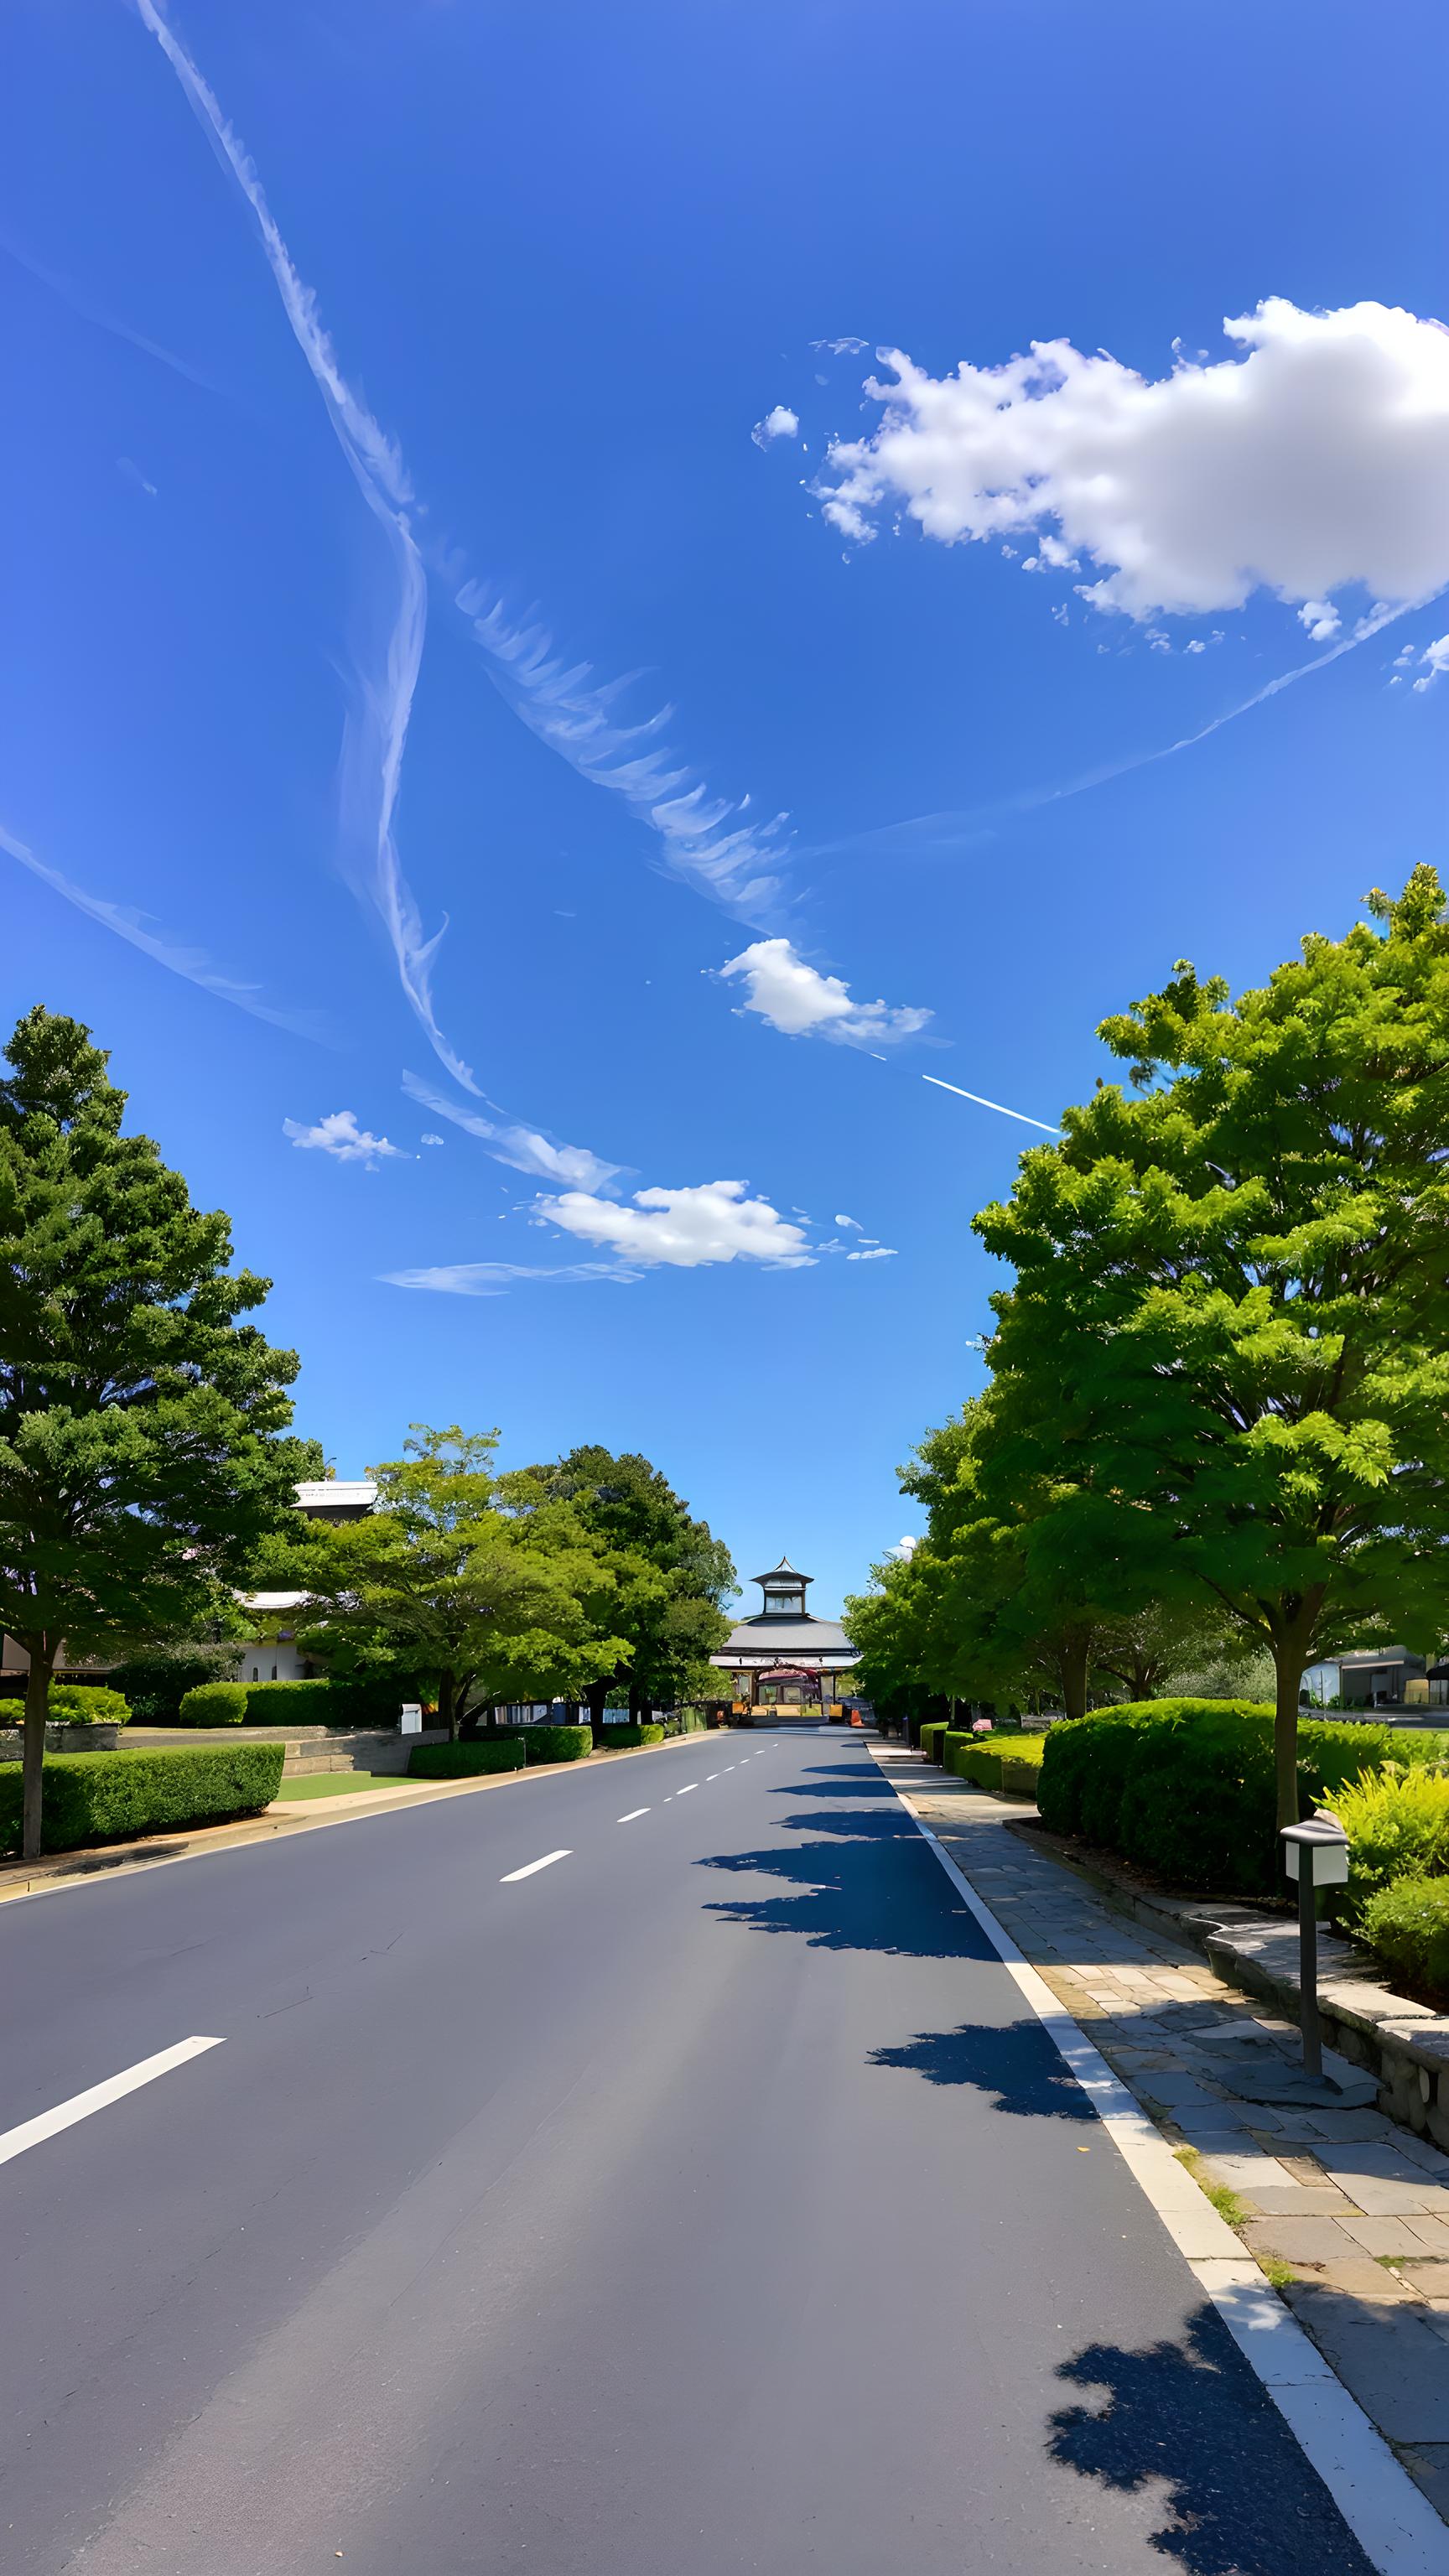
[
  {"x": 596, "y": 1700},
  {"x": 1073, "y": 1666},
  {"x": 1288, "y": 1667},
  {"x": 37, "y": 1702},
  {"x": 448, "y": 1705}
]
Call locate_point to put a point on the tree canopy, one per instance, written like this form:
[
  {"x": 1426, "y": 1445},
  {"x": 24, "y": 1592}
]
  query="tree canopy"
[
  {"x": 441, "y": 1580},
  {"x": 670, "y": 1573},
  {"x": 140, "y": 1461}
]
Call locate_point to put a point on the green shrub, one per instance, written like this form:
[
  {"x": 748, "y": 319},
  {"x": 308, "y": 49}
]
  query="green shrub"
[
  {"x": 1021, "y": 1766},
  {"x": 931, "y": 1734},
  {"x": 103, "y": 1797},
  {"x": 1398, "y": 1825},
  {"x": 75, "y": 1704},
  {"x": 154, "y": 1678},
  {"x": 215, "y": 1704},
  {"x": 617, "y": 1739},
  {"x": 367, "y": 1706},
  {"x": 977, "y": 1759},
  {"x": 1408, "y": 1926},
  {"x": 463, "y": 1761},
  {"x": 550, "y": 1743}
]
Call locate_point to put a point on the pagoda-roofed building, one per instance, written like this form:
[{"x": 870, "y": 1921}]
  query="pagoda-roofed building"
[{"x": 784, "y": 1663}]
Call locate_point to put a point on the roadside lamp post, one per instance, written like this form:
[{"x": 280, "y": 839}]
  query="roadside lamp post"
[{"x": 1316, "y": 1854}]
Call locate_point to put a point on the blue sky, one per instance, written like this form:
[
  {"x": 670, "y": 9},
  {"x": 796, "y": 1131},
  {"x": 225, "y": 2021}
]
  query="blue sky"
[{"x": 562, "y": 263}]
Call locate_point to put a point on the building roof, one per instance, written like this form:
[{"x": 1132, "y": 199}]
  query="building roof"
[
  {"x": 337, "y": 1493},
  {"x": 784, "y": 1636}
]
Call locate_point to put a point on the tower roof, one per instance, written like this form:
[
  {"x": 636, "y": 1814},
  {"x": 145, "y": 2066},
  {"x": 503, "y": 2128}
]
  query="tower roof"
[{"x": 784, "y": 1567}]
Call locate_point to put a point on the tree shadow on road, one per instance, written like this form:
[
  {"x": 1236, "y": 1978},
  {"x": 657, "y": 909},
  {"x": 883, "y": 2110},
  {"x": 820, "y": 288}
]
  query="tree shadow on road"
[
  {"x": 1017, "y": 2064},
  {"x": 858, "y": 1893},
  {"x": 1191, "y": 2419},
  {"x": 861, "y": 1824}
]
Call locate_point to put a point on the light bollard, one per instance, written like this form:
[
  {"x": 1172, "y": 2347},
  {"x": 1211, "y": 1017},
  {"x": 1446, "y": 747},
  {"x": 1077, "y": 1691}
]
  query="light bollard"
[{"x": 1316, "y": 1854}]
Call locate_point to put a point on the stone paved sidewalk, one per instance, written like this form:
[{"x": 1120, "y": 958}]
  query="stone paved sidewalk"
[{"x": 1347, "y": 2214}]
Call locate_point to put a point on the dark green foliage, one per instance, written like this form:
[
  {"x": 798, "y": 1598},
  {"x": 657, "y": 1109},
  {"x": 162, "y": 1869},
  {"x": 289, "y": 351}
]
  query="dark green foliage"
[
  {"x": 1186, "y": 1787},
  {"x": 104, "y": 1797},
  {"x": 360, "y": 1703},
  {"x": 977, "y": 1762},
  {"x": 77, "y": 1704},
  {"x": 155, "y": 1679},
  {"x": 550, "y": 1743},
  {"x": 215, "y": 1704},
  {"x": 1408, "y": 1925},
  {"x": 463, "y": 1761},
  {"x": 621, "y": 1739},
  {"x": 931, "y": 1734}
]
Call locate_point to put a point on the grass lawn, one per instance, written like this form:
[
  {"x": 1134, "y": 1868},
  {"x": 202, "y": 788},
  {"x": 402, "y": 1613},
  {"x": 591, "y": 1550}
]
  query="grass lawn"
[{"x": 339, "y": 1784}]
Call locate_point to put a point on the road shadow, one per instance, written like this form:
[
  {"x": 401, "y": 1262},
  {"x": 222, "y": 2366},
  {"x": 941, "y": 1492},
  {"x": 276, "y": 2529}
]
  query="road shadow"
[
  {"x": 1190, "y": 2419},
  {"x": 1016, "y": 2064},
  {"x": 856, "y": 1893},
  {"x": 861, "y": 1824}
]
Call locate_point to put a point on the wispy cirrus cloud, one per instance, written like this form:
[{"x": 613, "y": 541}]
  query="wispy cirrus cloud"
[
  {"x": 376, "y": 733},
  {"x": 524, "y": 1149},
  {"x": 88, "y": 312},
  {"x": 495, "y": 1278},
  {"x": 192, "y": 964},
  {"x": 702, "y": 838}
]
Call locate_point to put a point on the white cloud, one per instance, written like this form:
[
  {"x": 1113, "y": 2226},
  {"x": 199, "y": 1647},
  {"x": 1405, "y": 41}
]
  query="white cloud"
[
  {"x": 432, "y": 1140},
  {"x": 800, "y": 1002},
  {"x": 840, "y": 348},
  {"x": 1316, "y": 459},
  {"x": 1437, "y": 657},
  {"x": 779, "y": 423},
  {"x": 904, "y": 1548},
  {"x": 495, "y": 1278},
  {"x": 1321, "y": 619},
  {"x": 877, "y": 1252},
  {"x": 847, "y": 1220},
  {"x": 339, "y": 1135},
  {"x": 685, "y": 1228},
  {"x": 524, "y": 1149}
]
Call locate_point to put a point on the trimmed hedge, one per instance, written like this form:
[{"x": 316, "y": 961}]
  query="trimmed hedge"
[
  {"x": 370, "y": 1706},
  {"x": 462, "y": 1761},
  {"x": 931, "y": 1734},
  {"x": 215, "y": 1704},
  {"x": 550, "y": 1743},
  {"x": 622, "y": 1739},
  {"x": 1186, "y": 1787},
  {"x": 1408, "y": 1925},
  {"x": 104, "y": 1797},
  {"x": 75, "y": 1704}
]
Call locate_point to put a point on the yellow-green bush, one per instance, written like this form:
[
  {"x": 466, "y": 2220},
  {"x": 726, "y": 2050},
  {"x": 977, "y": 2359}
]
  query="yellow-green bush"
[
  {"x": 1408, "y": 1925},
  {"x": 86, "y": 1704},
  {"x": 1398, "y": 1825}
]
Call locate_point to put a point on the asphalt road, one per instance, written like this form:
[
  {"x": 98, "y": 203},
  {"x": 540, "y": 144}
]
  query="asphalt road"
[{"x": 702, "y": 2203}]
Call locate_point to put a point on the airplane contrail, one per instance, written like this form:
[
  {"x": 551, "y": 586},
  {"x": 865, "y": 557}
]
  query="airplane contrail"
[{"x": 998, "y": 1105}]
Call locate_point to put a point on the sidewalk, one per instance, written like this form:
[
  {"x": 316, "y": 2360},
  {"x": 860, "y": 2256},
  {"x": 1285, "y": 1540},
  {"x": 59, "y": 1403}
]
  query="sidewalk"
[{"x": 1347, "y": 2214}]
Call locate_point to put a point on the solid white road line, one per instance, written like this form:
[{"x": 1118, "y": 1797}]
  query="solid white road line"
[
  {"x": 1393, "y": 2521},
  {"x": 629, "y": 1819},
  {"x": 530, "y": 1866},
  {"x": 13, "y": 2142},
  {"x": 683, "y": 1793}
]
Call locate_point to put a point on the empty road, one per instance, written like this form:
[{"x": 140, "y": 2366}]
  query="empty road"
[{"x": 647, "y": 2171}]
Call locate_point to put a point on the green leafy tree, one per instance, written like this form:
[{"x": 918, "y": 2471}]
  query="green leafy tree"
[
  {"x": 439, "y": 1579},
  {"x": 139, "y": 1457},
  {"x": 671, "y": 1575},
  {"x": 1227, "y": 1349}
]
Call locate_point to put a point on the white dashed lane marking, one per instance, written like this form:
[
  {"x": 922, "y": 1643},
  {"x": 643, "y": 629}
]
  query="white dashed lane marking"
[{"x": 529, "y": 1867}]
